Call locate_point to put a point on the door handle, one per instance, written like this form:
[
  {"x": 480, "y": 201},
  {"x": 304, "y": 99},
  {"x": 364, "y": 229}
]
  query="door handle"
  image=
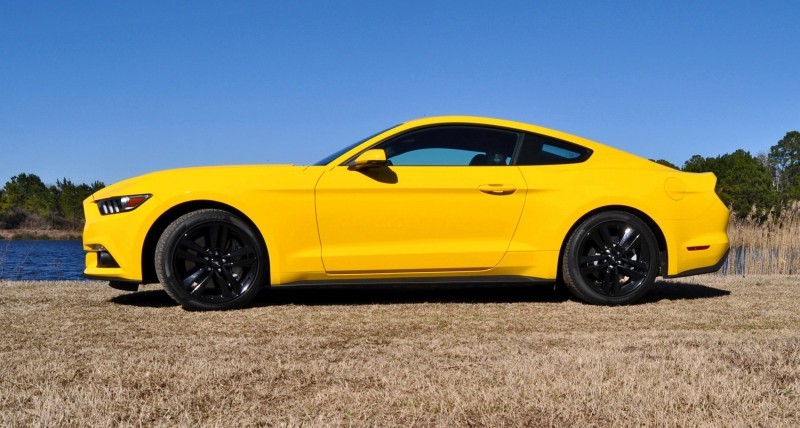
[{"x": 497, "y": 189}]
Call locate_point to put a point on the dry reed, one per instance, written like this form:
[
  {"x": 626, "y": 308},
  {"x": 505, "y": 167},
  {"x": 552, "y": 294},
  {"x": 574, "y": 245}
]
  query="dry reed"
[{"x": 764, "y": 247}]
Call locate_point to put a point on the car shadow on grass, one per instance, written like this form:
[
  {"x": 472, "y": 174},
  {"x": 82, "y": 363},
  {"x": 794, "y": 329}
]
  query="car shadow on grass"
[
  {"x": 495, "y": 293},
  {"x": 411, "y": 294},
  {"x": 145, "y": 299},
  {"x": 672, "y": 290},
  {"x": 361, "y": 295}
]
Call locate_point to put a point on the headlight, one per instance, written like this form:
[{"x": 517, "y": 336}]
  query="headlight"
[{"x": 121, "y": 204}]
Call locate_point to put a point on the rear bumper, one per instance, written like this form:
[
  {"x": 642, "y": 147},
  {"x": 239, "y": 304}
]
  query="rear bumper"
[
  {"x": 698, "y": 245},
  {"x": 702, "y": 270}
]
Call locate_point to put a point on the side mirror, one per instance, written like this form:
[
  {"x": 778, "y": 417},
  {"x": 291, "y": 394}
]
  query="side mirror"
[{"x": 373, "y": 158}]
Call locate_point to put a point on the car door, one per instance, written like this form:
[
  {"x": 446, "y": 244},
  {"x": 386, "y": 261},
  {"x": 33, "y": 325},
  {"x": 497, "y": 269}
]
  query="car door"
[{"x": 447, "y": 200}]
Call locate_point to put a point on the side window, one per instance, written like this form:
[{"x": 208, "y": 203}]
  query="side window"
[
  {"x": 540, "y": 150},
  {"x": 452, "y": 145}
]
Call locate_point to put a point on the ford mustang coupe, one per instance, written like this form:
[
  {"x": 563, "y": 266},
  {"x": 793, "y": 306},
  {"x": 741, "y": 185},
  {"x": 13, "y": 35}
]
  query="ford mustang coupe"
[{"x": 443, "y": 199}]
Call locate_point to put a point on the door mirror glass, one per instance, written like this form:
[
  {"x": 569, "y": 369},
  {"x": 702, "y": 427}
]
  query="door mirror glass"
[{"x": 373, "y": 158}]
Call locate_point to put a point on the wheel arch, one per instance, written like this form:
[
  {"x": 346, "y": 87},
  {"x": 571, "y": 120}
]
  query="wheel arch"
[
  {"x": 659, "y": 234},
  {"x": 157, "y": 228}
]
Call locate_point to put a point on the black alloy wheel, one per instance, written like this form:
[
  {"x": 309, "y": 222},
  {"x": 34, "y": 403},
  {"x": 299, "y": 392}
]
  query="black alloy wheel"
[
  {"x": 611, "y": 258},
  {"x": 211, "y": 260}
]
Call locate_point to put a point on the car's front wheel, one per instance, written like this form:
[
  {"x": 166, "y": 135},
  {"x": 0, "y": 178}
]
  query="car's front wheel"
[
  {"x": 210, "y": 260},
  {"x": 611, "y": 258}
]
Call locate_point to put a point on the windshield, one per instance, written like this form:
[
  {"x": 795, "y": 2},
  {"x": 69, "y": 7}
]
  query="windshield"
[{"x": 328, "y": 159}]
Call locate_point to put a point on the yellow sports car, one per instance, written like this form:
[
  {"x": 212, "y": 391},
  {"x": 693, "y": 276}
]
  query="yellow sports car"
[{"x": 444, "y": 199}]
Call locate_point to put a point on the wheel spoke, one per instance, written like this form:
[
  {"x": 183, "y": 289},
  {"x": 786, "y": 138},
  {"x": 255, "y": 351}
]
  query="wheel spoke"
[
  {"x": 607, "y": 279},
  {"x": 201, "y": 285},
  {"x": 231, "y": 281},
  {"x": 585, "y": 260},
  {"x": 223, "y": 239},
  {"x": 225, "y": 286},
  {"x": 615, "y": 289},
  {"x": 606, "y": 234},
  {"x": 636, "y": 264},
  {"x": 591, "y": 267},
  {"x": 244, "y": 251},
  {"x": 188, "y": 243},
  {"x": 222, "y": 284},
  {"x": 597, "y": 239},
  {"x": 213, "y": 234},
  {"x": 189, "y": 280},
  {"x": 190, "y": 257},
  {"x": 630, "y": 235},
  {"x": 240, "y": 263},
  {"x": 632, "y": 273}
]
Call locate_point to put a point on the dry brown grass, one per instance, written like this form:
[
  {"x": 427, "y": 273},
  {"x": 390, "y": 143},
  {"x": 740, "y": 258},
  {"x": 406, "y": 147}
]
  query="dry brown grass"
[
  {"x": 765, "y": 247},
  {"x": 707, "y": 351}
]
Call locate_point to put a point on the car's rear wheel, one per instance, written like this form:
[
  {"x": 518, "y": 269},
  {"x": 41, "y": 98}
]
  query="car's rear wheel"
[
  {"x": 210, "y": 260},
  {"x": 611, "y": 258}
]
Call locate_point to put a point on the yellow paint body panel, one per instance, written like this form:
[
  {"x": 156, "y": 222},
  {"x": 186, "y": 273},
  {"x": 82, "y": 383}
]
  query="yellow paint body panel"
[
  {"x": 331, "y": 222},
  {"x": 422, "y": 219}
]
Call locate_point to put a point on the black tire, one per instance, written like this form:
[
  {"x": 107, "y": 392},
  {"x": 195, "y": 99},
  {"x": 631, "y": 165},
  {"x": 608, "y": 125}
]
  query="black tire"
[
  {"x": 211, "y": 260},
  {"x": 611, "y": 258}
]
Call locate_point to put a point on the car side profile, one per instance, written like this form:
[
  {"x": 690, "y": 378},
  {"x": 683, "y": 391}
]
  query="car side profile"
[{"x": 451, "y": 199}]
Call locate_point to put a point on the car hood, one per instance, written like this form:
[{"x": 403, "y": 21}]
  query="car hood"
[{"x": 187, "y": 180}]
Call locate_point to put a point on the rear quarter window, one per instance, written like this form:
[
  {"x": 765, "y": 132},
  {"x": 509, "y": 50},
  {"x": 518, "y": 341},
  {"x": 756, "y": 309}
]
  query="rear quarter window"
[{"x": 541, "y": 150}]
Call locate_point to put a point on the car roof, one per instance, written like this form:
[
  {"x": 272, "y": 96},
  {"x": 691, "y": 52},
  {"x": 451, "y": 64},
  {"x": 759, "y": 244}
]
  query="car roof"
[
  {"x": 503, "y": 123},
  {"x": 608, "y": 153}
]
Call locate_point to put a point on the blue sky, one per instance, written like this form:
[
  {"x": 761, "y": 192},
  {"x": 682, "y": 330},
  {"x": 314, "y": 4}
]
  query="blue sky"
[{"x": 104, "y": 90}]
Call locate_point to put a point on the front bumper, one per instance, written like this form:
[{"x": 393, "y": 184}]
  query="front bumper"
[{"x": 120, "y": 236}]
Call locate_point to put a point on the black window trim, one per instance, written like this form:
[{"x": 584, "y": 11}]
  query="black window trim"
[
  {"x": 520, "y": 138},
  {"x": 521, "y": 133}
]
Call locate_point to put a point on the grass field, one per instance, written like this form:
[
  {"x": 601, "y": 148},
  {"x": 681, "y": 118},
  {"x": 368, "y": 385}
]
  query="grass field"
[{"x": 706, "y": 351}]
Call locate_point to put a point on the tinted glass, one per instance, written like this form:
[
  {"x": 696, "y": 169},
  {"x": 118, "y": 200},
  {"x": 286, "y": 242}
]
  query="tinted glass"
[
  {"x": 540, "y": 150},
  {"x": 452, "y": 146}
]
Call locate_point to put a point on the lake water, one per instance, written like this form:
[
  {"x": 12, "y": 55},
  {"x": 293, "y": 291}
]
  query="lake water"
[{"x": 41, "y": 260}]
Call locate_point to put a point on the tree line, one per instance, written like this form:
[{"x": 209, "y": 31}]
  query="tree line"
[
  {"x": 754, "y": 185},
  {"x": 749, "y": 185},
  {"x": 26, "y": 202}
]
